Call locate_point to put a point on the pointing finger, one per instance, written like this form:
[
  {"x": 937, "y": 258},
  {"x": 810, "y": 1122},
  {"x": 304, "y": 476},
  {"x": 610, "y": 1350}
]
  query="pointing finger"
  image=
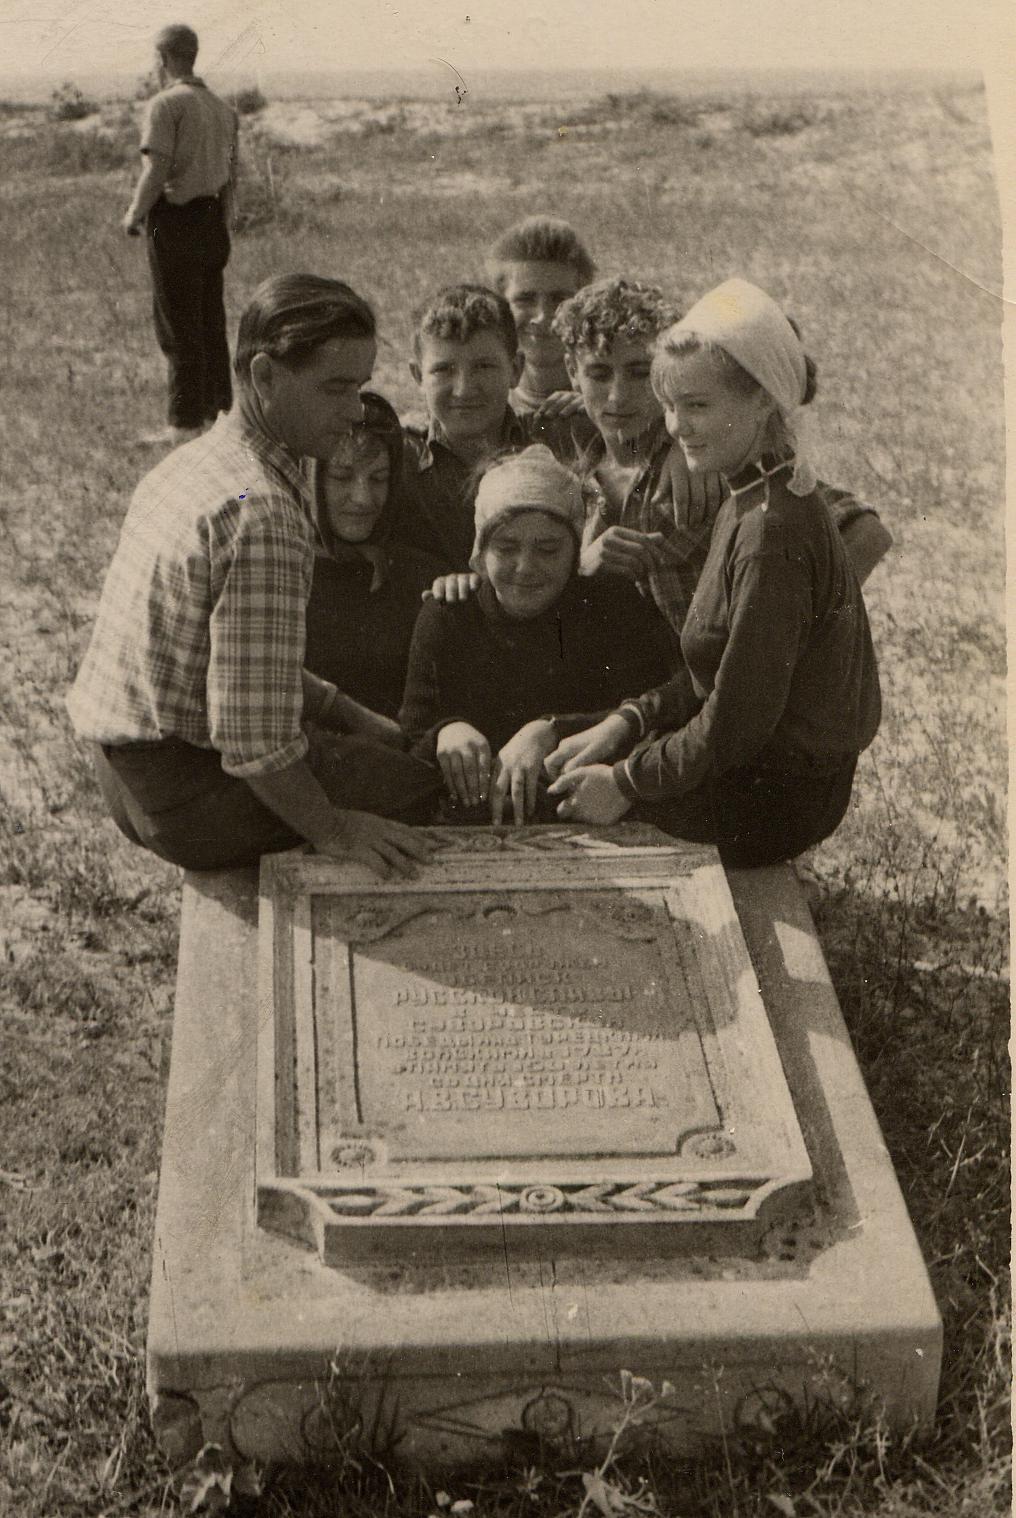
[{"x": 566, "y": 783}]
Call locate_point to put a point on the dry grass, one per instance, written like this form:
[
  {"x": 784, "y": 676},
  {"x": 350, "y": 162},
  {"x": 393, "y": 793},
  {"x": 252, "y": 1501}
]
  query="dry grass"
[{"x": 875, "y": 218}]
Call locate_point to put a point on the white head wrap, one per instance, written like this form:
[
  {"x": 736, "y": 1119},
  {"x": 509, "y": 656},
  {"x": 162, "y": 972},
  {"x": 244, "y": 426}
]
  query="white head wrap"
[
  {"x": 748, "y": 324},
  {"x": 532, "y": 480}
]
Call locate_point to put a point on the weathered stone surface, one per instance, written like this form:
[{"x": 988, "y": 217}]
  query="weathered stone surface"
[
  {"x": 456, "y": 1361},
  {"x": 559, "y": 1049}
]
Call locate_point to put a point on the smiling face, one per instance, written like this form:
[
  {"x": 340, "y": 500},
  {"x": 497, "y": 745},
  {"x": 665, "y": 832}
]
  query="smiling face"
[
  {"x": 615, "y": 388},
  {"x": 534, "y": 291},
  {"x": 355, "y": 482},
  {"x": 309, "y": 409},
  {"x": 529, "y": 559},
  {"x": 719, "y": 427},
  {"x": 465, "y": 384}
]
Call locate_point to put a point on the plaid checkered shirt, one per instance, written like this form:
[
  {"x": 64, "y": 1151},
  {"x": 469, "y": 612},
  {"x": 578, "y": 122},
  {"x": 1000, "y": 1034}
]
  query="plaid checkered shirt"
[
  {"x": 200, "y": 629},
  {"x": 665, "y": 498}
]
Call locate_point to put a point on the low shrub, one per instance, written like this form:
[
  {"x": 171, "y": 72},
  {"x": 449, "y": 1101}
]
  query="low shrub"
[
  {"x": 147, "y": 85},
  {"x": 783, "y": 123},
  {"x": 69, "y": 104},
  {"x": 249, "y": 101}
]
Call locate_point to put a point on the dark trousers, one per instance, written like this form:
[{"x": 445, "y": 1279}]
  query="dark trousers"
[
  {"x": 188, "y": 248},
  {"x": 178, "y": 802},
  {"x": 759, "y": 816}
]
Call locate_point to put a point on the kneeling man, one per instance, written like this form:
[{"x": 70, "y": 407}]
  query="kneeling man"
[{"x": 212, "y": 744}]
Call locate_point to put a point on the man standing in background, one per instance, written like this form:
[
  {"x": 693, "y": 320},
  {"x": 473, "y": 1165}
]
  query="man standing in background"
[{"x": 183, "y": 200}]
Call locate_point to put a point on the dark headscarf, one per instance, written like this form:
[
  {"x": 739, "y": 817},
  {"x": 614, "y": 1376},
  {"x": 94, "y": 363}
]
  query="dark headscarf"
[{"x": 380, "y": 424}]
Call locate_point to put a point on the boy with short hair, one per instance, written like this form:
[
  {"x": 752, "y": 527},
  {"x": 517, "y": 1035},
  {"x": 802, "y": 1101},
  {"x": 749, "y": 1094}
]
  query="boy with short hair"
[
  {"x": 536, "y": 264},
  {"x": 465, "y": 360}
]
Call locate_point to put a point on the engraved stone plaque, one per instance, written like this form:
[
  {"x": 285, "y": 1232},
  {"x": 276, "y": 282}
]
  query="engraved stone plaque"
[{"x": 549, "y": 1030}]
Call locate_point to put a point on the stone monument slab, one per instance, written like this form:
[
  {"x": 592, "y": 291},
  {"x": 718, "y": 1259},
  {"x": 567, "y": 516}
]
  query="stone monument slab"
[
  {"x": 557, "y": 1044},
  {"x": 277, "y": 1320}
]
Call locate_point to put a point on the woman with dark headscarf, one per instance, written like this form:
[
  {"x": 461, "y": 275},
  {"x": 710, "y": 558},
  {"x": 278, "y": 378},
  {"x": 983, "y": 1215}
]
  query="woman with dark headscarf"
[{"x": 367, "y": 587}]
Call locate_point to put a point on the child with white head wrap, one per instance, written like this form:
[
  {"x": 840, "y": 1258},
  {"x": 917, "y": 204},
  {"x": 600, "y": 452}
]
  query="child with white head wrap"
[
  {"x": 748, "y": 325},
  {"x": 495, "y": 680},
  {"x": 532, "y": 480}
]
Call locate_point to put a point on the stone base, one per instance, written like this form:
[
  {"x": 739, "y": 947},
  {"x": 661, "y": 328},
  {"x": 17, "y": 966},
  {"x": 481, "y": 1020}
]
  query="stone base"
[{"x": 257, "y": 1345}]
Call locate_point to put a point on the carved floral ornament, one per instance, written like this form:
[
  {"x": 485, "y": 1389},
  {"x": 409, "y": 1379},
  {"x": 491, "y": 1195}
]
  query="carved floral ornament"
[{"x": 366, "y": 920}]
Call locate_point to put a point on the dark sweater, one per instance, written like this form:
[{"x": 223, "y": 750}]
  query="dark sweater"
[
  {"x": 359, "y": 638},
  {"x": 780, "y": 669},
  {"x": 469, "y": 662}
]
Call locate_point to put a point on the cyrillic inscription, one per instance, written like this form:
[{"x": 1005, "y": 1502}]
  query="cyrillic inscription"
[{"x": 535, "y": 1034}]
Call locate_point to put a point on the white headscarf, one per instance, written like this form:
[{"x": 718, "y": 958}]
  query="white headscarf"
[
  {"x": 748, "y": 324},
  {"x": 533, "y": 480}
]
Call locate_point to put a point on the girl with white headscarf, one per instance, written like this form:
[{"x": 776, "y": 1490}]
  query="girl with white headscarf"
[
  {"x": 493, "y": 680},
  {"x": 753, "y": 745}
]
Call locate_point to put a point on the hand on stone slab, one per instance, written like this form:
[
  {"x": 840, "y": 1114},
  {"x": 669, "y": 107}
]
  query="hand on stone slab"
[
  {"x": 517, "y": 771},
  {"x": 590, "y": 794},
  {"x": 463, "y": 756},
  {"x": 386, "y": 847},
  {"x": 607, "y": 740}
]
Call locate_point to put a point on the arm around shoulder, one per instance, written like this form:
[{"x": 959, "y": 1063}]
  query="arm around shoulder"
[
  {"x": 867, "y": 540},
  {"x": 864, "y": 535}
]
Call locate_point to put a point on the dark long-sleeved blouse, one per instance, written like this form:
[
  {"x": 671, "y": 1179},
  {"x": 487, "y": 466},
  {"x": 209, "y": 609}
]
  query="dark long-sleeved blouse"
[{"x": 780, "y": 669}]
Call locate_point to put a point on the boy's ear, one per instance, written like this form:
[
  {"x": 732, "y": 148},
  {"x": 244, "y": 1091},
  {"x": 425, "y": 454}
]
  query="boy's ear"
[
  {"x": 416, "y": 371},
  {"x": 518, "y": 364},
  {"x": 261, "y": 376}
]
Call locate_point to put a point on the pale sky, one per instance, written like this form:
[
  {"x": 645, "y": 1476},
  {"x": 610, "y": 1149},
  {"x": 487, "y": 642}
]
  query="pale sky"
[{"x": 68, "y": 37}]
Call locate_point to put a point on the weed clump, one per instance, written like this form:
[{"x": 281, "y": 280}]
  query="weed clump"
[
  {"x": 263, "y": 201},
  {"x": 633, "y": 108},
  {"x": 68, "y": 103},
  {"x": 779, "y": 123},
  {"x": 147, "y": 85},
  {"x": 248, "y": 101}
]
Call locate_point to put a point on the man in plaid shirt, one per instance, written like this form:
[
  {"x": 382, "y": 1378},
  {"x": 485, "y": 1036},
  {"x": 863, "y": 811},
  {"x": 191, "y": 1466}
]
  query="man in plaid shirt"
[{"x": 212, "y": 744}]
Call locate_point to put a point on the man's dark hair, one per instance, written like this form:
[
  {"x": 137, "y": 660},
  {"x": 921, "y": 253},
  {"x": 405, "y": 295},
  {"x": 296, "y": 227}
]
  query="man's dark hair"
[
  {"x": 289, "y": 316},
  {"x": 599, "y": 314},
  {"x": 458, "y": 312},
  {"x": 179, "y": 43}
]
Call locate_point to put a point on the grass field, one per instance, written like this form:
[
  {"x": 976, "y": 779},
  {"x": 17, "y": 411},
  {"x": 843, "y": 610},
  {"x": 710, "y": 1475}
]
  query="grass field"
[{"x": 874, "y": 218}]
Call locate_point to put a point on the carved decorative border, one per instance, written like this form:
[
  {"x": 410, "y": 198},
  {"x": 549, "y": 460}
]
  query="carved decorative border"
[
  {"x": 539, "y": 1199},
  {"x": 576, "y": 1200}
]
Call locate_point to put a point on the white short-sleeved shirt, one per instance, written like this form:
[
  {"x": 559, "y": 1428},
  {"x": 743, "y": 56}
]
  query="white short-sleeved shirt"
[{"x": 196, "y": 131}]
